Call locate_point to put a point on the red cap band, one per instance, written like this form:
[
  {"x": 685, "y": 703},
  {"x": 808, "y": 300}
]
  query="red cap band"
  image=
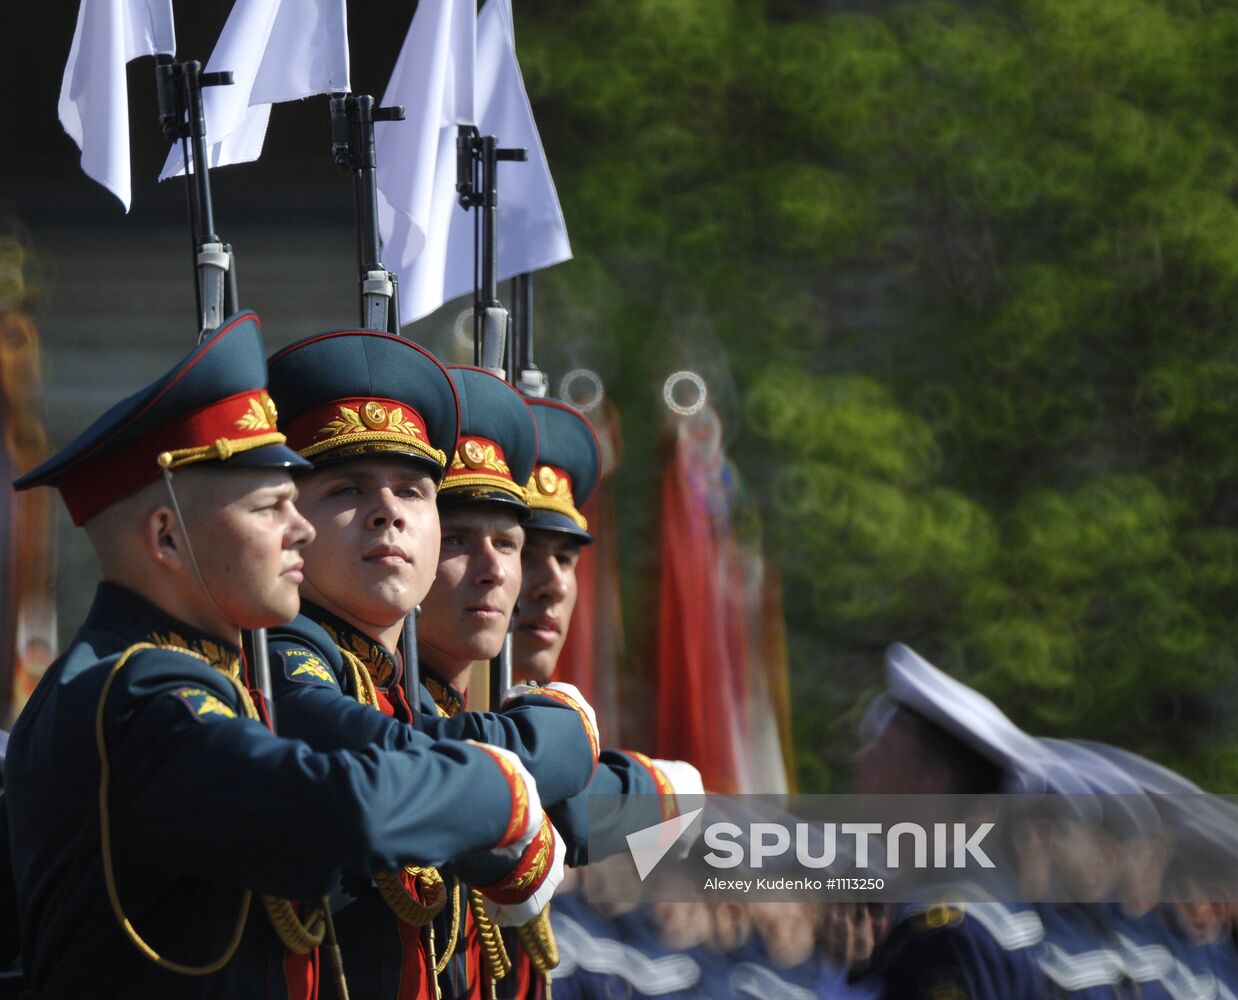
[
  {"x": 385, "y": 424},
  {"x": 217, "y": 430},
  {"x": 478, "y": 461}
]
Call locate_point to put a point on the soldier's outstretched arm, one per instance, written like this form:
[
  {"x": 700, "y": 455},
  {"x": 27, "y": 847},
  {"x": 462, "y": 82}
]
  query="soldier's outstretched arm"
[
  {"x": 555, "y": 738},
  {"x": 315, "y": 702},
  {"x": 619, "y": 773},
  {"x": 191, "y": 780}
]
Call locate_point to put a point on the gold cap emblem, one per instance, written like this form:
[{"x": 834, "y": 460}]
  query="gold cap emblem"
[
  {"x": 472, "y": 454},
  {"x": 547, "y": 480},
  {"x": 374, "y": 415}
]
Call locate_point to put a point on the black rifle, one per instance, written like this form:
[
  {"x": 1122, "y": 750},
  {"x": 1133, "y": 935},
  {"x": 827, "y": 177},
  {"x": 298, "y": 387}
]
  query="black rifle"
[
  {"x": 522, "y": 370},
  {"x": 477, "y": 185},
  {"x": 530, "y": 380},
  {"x": 179, "y": 87},
  {"x": 352, "y": 144}
]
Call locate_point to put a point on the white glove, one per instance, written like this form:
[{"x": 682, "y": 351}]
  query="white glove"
[
  {"x": 566, "y": 693},
  {"x": 524, "y": 794},
  {"x": 685, "y": 779},
  {"x": 516, "y": 914}
]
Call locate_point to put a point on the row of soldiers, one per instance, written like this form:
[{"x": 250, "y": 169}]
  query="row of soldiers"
[
  {"x": 1134, "y": 867},
  {"x": 178, "y": 831}
]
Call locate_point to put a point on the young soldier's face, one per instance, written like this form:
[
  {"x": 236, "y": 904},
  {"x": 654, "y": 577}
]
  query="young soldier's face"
[
  {"x": 1085, "y": 858},
  {"x": 376, "y": 550},
  {"x": 247, "y": 534},
  {"x": 547, "y": 598},
  {"x": 466, "y": 614}
]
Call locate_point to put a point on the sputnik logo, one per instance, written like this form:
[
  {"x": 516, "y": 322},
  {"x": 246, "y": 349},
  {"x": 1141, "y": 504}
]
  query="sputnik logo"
[{"x": 650, "y": 845}]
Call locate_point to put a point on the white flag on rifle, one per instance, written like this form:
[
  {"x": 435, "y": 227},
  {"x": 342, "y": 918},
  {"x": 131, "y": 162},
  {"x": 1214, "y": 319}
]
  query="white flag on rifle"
[
  {"x": 277, "y": 50},
  {"x": 431, "y": 249},
  {"x": 94, "y": 96},
  {"x": 416, "y": 172}
]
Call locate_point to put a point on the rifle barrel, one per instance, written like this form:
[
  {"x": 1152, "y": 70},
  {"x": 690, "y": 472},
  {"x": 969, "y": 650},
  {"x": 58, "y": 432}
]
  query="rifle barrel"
[{"x": 352, "y": 143}]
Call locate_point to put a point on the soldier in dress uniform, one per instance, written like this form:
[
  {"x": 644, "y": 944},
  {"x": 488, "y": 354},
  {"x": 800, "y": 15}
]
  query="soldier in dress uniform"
[
  {"x": 147, "y": 802},
  {"x": 1128, "y": 936},
  {"x": 937, "y": 736},
  {"x": 1206, "y": 837},
  {"x": 564, "y": 476},
  {"x": 378, "y": 416},
  {"x": 1200, "y": 835},
  {"x": 466, "y": 615}
]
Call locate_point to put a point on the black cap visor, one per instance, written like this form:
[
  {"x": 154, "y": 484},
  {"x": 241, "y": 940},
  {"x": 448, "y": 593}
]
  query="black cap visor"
[
  {"x": 269, "y": 456},
  {"x": 376, "y": 449},
  {"x": 461, "y": 496},
  {"x": 549, "y": 520}
]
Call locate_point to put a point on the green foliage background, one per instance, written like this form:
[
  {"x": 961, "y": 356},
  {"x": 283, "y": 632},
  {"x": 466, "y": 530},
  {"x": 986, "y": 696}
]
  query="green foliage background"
[{"x": 966, "y": 275}]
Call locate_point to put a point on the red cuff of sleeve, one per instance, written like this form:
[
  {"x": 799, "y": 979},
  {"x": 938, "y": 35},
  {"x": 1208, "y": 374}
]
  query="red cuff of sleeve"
[
  {"x": 567, "y": 699},
  {"x": 670, "y": 808},
  {"x": 519, "y": 820},
  {"x": 530, "y": 871}
]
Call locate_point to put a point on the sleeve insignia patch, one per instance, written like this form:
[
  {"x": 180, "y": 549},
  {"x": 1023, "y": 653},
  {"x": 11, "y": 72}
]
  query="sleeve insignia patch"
[
  {"x": 203, "y": 704},
  {"x": 302, "y": 665}
]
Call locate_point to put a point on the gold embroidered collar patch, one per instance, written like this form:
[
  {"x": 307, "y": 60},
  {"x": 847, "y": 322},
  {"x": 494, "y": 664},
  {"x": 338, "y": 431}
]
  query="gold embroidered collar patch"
[
  {"x": 445, "y": 696},
  {"x": 215, "y": 654},
  {"x": 378, "y": 662}
]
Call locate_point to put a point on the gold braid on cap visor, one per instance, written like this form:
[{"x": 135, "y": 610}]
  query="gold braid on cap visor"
[
  {"x": 477, "y": 463},
  {"x": 548, "y": 491},
  {"x": 259, "y": 414},
  {"x": 222, "y": 450}
]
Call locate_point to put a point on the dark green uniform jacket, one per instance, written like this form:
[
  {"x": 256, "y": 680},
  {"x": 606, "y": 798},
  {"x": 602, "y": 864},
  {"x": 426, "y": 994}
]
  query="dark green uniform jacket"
[{"x": 203, "y": 803}]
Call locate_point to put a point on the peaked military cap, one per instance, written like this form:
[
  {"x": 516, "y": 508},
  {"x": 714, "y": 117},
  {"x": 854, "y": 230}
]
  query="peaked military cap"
[
  {"x": 359, "y": 392},
  {"x": 211, "y": 407},
  {"x": 493, "y": 458},
  {"x": 1151, "y": 776},
  {"x": 969, "y": 717},
  {"x": 1127, "y": 811},
  {"x": 1188, "y": 814},
  {"x": 569, "y": 461}
]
